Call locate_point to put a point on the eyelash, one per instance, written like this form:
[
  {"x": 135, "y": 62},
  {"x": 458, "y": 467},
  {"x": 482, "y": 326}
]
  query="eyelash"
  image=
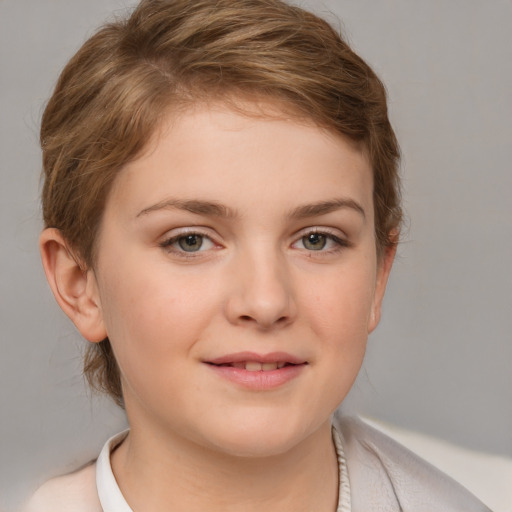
[
  {"x": 168, "y": 243},
  {"x": 339, "y": 243}
]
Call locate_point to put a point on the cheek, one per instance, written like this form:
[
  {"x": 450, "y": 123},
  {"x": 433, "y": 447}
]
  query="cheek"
[
  {"x": 340, "y": 306},
  {"x": 338, "y": 316},
  {"x": 153, "y": 316},
  {"x": 149, "y": 320}
]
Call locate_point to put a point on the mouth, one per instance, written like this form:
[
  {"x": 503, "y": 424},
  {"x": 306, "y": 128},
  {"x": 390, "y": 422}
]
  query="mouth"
[
  {"x": 254, "y": 362},
  {"x": 255, "y": 366},
  {"x": 258, "y": 371}
]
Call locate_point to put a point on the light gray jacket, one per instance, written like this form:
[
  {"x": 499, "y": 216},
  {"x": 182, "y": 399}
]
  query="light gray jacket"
[
  {"x": 383, "y": 477},
  {"x": 386, "y": 477}
]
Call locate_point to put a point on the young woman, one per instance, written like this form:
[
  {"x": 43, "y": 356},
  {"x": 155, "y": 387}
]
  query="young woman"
[{"x": 221, "y": 202}]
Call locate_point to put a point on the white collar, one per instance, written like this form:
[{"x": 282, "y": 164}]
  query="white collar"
[{"x": 109, "y": 493}]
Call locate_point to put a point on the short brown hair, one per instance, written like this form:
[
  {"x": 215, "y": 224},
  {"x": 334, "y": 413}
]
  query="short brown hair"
[{"x": 112, "y": 95}]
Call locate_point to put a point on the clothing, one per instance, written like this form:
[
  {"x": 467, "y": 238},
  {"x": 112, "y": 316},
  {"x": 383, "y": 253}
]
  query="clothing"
[
  {"x": 385, "y": 476},
  {"x": 376, "y": 474}
]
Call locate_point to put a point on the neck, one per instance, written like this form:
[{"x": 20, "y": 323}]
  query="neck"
[{"x": 164, "y": 473}]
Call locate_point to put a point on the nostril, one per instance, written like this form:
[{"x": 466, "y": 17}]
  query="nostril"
[{"x": 249, "y": 318}]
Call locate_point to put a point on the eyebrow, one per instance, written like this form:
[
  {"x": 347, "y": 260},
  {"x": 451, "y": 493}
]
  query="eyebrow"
[
  {"x": 324, "y": 207},
  {"x": 198, "y": 207},
  {"x": 214, "y": 209}
]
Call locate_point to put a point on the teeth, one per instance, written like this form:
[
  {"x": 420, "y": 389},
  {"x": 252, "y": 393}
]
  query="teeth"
[{"x": 253, "y": 366}]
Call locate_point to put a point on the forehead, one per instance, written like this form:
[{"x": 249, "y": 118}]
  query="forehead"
[{"x": 232, "y": 154}]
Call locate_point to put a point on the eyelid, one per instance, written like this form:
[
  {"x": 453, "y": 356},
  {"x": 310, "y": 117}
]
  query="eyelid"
[
  {"x": 336, "y": 235},
  {"x": 321, "y": 230},
  {"x": 186, "y": 230},
  {"x": 172, "y": 236}
]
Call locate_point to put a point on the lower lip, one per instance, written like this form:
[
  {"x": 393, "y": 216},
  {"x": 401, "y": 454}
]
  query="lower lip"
[{"x": 259, "y": 380}]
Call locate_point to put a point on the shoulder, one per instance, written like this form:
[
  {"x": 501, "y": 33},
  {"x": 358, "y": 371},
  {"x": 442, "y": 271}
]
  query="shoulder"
[
  {"x": 75, "y": 492},
  {"x": 385, "y": 475}
]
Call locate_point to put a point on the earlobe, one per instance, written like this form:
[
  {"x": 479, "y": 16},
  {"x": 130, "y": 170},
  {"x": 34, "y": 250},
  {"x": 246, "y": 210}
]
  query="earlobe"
[
  {"x": 384, "y": 269},
  {"x": 73, "y": 286}
]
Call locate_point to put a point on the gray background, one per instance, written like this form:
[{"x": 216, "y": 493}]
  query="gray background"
[{"x": 441, "y": 360}]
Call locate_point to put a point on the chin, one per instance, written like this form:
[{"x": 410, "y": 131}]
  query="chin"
[
  {"x": 259, "y": 437},
  {"x": 256, "y": 447}
]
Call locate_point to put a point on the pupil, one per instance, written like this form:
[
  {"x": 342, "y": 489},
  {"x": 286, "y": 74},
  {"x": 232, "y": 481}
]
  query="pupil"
[
  {"x": 191, "y": 243},
  {"x": 314, "y": 241}
]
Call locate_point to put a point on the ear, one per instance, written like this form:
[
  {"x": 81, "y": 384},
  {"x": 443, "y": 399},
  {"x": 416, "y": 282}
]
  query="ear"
[
  {"x": 73, "y": 286},
  {"x": 385, "y": 264}
]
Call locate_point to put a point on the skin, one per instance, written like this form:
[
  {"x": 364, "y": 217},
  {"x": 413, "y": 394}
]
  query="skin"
[{"x": 262, "y": 281}]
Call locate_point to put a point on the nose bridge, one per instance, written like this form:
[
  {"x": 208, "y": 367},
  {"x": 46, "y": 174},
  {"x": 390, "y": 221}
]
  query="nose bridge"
[{"x": 263, "y": 291}]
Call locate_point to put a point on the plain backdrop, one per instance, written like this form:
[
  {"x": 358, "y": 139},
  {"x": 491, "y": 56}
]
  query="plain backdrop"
[{"x": 441, "y": 360}]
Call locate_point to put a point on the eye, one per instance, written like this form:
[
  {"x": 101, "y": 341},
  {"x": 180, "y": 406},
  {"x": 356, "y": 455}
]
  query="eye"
[
  {"x": 314, "y": 241},
  {"x": 191, "y": 243},
  {"x": 188, "y": 242},
  {"x": 320, "y": 241}
]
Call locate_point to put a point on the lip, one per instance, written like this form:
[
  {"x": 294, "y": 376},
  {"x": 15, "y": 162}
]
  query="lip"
[
  {"x": 258, "y": 380},
  {"x": 272, "y": 357}
]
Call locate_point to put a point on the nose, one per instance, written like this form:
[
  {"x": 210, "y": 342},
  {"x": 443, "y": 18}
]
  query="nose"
[{"x": 261, "y": 294}]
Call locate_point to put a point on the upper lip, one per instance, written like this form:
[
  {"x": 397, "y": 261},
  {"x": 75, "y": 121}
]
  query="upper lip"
[{"x": 272, "y": 357}]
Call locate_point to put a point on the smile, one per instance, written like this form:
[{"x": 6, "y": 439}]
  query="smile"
[
  {"x": 258, "y": 372},
  {"x": 254, "y": 366}
]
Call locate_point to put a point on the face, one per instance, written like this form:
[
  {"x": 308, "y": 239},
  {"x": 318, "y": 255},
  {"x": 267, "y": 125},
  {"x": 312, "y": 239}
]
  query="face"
[{"x": 237, "y": 279}]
